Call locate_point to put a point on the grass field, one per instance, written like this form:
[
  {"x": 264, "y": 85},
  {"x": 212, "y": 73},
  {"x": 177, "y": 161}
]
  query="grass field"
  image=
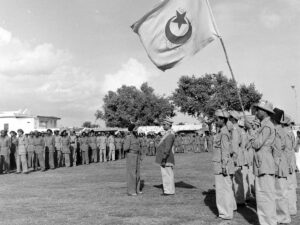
[{"x": 96, "y": 194}]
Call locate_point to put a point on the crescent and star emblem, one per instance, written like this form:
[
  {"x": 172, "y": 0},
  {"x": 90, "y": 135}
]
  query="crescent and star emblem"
[{"x": 180, "y": 19}]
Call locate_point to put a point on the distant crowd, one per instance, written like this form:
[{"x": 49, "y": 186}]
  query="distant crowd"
[{"x": 49, "y": 150}]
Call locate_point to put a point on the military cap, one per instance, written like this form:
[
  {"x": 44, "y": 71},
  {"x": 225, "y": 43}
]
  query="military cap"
[
  {"x": 20, "y": 131},
  {"x": 234, "y": 114},
  {"x": 278, "y": 115},
  {"x": 49, "y": 130},
  {"x": 286, "y": 120},
  {"x": 222, "y": 113},
  {"x": 167, "y": 120},
  {"x": 265, "y": 105}
]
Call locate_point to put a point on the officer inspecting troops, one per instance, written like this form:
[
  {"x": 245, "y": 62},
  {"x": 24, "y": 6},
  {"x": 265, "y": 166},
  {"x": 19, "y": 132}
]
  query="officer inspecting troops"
[
  {"x": 133, "y": 148},
  {"x": 165, "y": 158}
]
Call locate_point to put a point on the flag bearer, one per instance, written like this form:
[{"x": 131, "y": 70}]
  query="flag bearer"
[
  {"x": 223, "y": 167},
  {"x": 238, "y": 157}
]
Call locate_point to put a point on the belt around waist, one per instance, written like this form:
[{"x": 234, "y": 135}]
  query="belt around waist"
[{"x": 134, "y": 152}]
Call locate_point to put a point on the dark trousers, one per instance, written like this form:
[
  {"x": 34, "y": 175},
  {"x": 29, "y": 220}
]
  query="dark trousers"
[
  {"x": 4, "y": 163},
  {"x": 133, "y": 173}
]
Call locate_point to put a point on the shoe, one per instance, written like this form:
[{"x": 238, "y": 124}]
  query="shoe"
[
  {"x": 140, "y": 192},
  {"x": 167, "y": 194}
]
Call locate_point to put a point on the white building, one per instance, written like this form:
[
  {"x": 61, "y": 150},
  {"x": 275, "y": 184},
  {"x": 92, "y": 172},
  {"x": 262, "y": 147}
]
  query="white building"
[{"x": 14, "y": 120}]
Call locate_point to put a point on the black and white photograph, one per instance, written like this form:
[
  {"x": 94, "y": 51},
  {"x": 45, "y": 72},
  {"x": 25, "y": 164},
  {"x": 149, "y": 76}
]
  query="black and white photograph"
[{"x": 157, "y": 112}]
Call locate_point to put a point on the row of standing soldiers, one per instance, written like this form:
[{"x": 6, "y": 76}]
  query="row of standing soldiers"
[
  {"x": 258, "y": 160},
  {"x": 193, "y": 143}
]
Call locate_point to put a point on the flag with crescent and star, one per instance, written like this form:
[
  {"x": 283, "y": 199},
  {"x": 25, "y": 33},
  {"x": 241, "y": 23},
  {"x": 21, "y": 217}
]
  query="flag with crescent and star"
[{"x": 175, "y": 30}]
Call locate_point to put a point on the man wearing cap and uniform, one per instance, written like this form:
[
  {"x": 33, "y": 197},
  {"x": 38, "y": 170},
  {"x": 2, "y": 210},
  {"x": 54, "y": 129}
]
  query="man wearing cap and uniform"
[
  {"x": 39, "y": 148},
  {"x": 132, "y": 147},
  {"x": 74, "y": 145},
  {"x": 4, "y": 152},
  {"x": 281, "y": 169},
  {"x": 21, "y": 152},
  {"x": 13, "y": 149},
  {"x": 102, "y": 143},
  {"x": 50, "y": 147},
  {"x": 223, "y": 167},
  {"x": 58, "y": 147},
  {"x": 66, "y": 148},
  {"x": 291, "y": 178},
  {"x": 84, "y": 147},
  {"x": 165, "y": 158},
  {"x": 238, "y": 157},
  {"x": 30, "y": 151},
  {"x": 93, "y": 146},
  {"x": 264, "y": 165}
]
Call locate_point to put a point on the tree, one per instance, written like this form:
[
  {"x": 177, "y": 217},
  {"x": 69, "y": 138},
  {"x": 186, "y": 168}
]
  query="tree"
[
  {"x": 88, "y": 124},
  {"x": 201, "y": 96},
  {"x": 129, "y": 104}
]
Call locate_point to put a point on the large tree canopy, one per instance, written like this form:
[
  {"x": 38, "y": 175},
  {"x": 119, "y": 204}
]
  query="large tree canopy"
[
  {"x": 129, "y": 104},
  {"x": 201, "y": 96}
]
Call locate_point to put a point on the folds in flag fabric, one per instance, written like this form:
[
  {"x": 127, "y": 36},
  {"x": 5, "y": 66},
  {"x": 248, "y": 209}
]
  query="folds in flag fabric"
[{"x": 175, "y": 30}]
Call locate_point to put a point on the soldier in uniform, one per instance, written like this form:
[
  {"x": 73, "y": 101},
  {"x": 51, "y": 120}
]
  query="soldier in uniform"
[
  {"x": 264, "y": 165},
  {"x": 21, "y": 152},
  {"x": 50, "y": 147},
  {"x": 13, "y": 150},
  {"x": 291, "y": 178},
  {"x": 144, "y": 142},
  {"x": 281, "y": 169},
  {"x": 4, "y": 152},
  {"x": 58, "y": 147},
  {"x": 209, "y": 141},
  {"x": 30, "y": 151},
  {"x": 112, "y": 148},
  {"x": 66, "y": 148},
  {"x": 39, "y": 148},
  {"x": 151, "y": 144},
  {"x": 132, "y": 147},
  {"x": 202, "y": 143},
  {"x": 119, "y": 145},
  {"x": 102, "y": 143},
  {"x": 84, "y": 148},
  {"x": 238, "y": 157},
  {"x": 223, "y": 167},
  {"x": 165, "y": 158},
  {"x": 157, "y": 140},
  {"x": 93, "y": 146},
  {"x": 74, "y": 146}
]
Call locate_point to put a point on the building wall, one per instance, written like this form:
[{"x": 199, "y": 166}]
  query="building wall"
[
  {"x": 46, "y": 123},
  {"x": 27, "y": 124}
]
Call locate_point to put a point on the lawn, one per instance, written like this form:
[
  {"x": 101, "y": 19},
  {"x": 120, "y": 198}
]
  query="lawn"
[{"x": 96, "y": 194}]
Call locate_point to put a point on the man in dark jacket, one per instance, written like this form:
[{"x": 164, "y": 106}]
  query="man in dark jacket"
[{"x": 165, "y": 158}]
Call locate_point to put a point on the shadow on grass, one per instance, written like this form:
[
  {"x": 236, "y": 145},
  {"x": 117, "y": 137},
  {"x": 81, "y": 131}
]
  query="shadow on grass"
[
  {"x": 248, "y": 212},
  {"x": 180, "y": 184},
  {"x": 210, "y": 200}
]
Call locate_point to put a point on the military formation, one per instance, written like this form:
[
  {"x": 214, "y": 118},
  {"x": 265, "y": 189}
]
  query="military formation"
[
  {"x": 255, "y": 160},
  {"x": 42, "y": 151}
]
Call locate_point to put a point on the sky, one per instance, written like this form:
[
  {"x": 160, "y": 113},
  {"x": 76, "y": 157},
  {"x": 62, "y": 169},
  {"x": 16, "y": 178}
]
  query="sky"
[{"x": 60, "y": 57}]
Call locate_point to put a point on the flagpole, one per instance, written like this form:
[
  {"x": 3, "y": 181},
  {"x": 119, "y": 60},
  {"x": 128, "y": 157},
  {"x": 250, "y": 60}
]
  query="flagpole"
[{"x": 226, "y": 56}]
